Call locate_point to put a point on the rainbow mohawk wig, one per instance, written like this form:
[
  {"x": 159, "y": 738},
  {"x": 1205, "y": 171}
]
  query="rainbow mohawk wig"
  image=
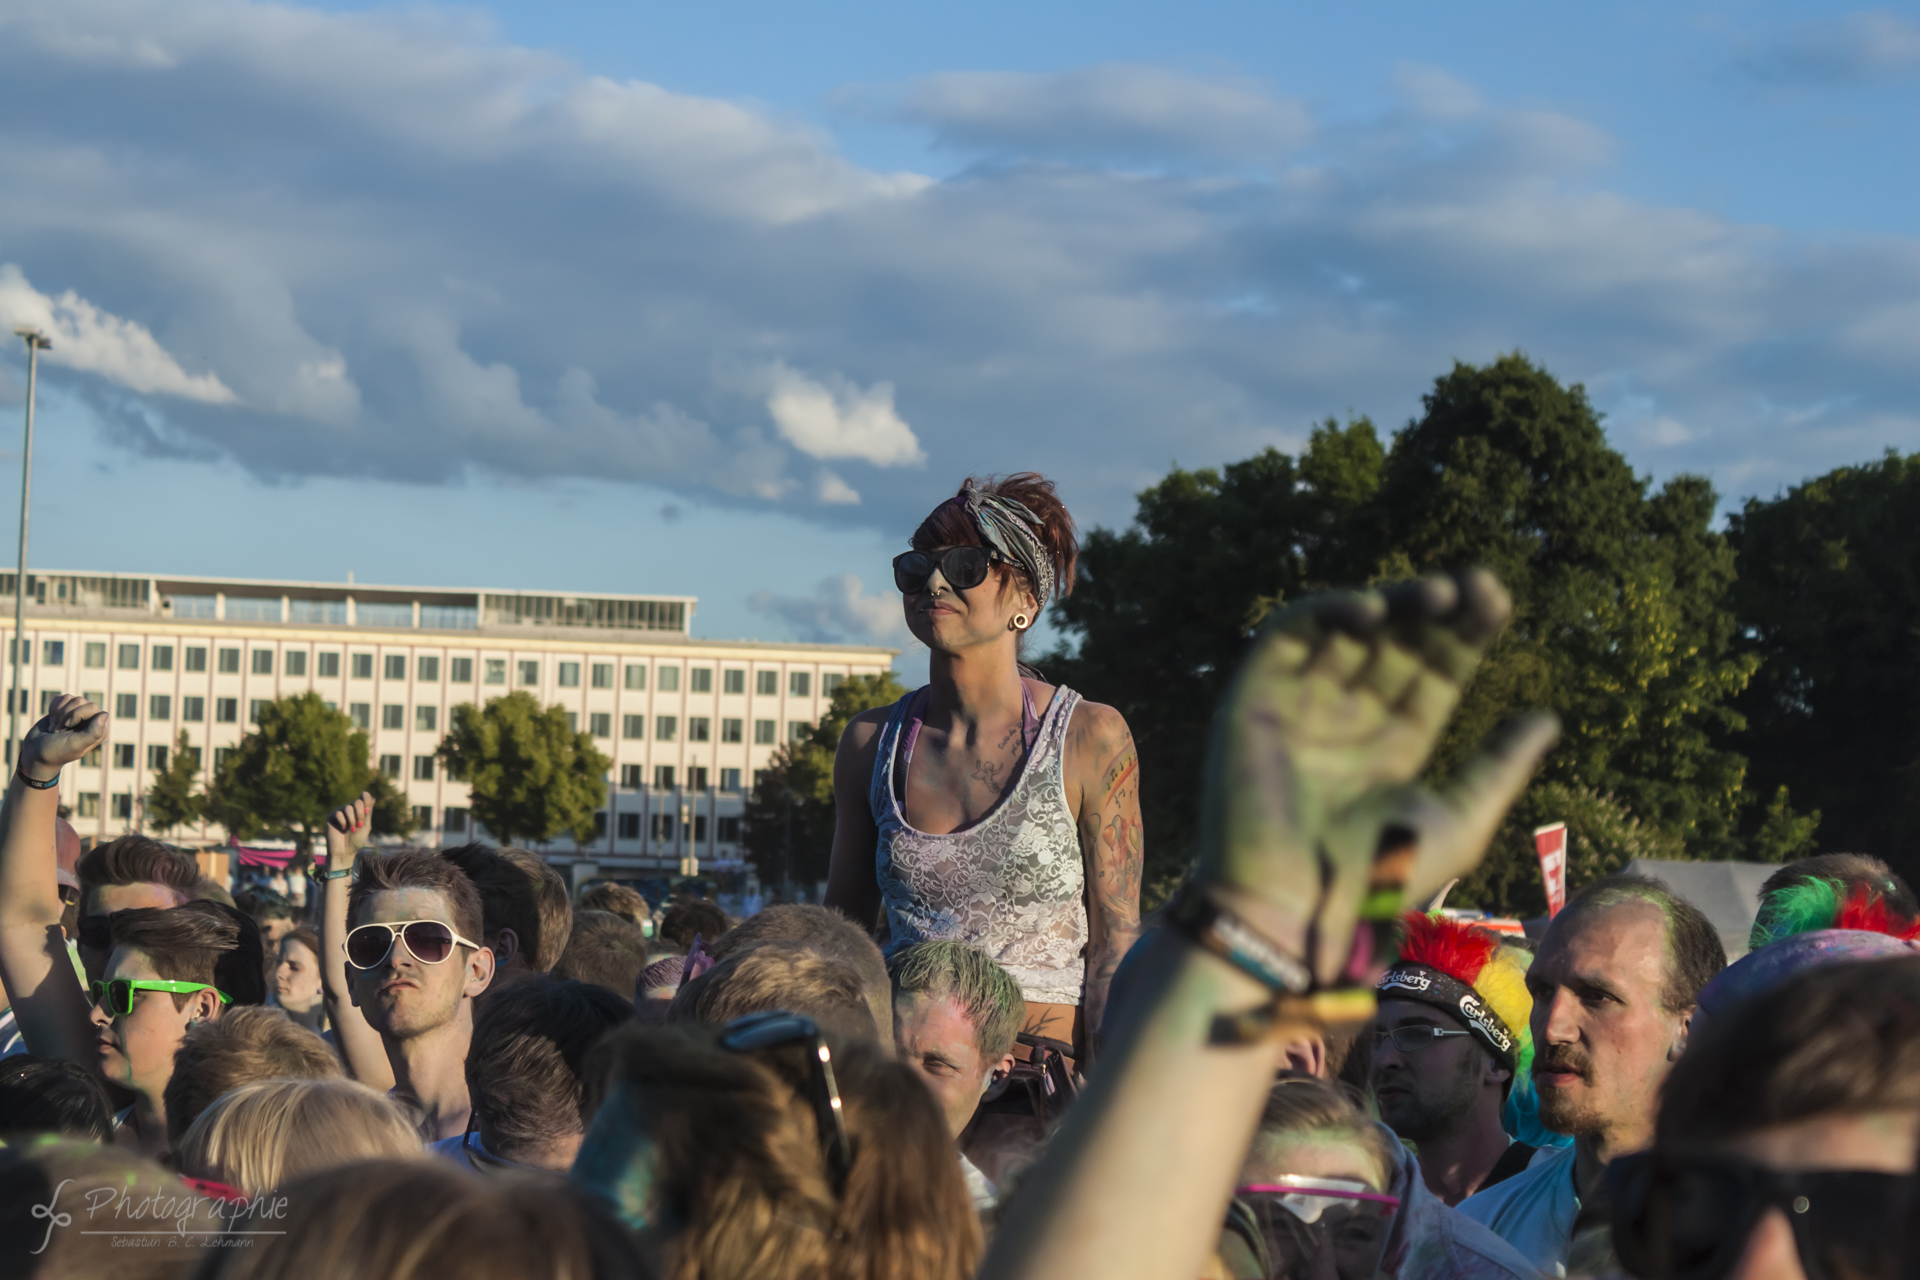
[
  {"x": 1827, "y": 904},
  {"x": 1469, "y": 973}
]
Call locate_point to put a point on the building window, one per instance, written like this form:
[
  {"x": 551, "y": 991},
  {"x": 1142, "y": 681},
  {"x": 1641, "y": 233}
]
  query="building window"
[
  {"x": 428, "y": 670},
  {"x": 699, "y": 828},
  {"x": 697, "y": 778},
  {"x": 797, "y": 730},
  {"x": 663, "y": 777},
  {"x": 161, "y": 656},
  {"x": 665, "y": 728},
  {"x": 766, "y": 683},
  {"x": 157, "y": 758},
  {"x": 87, "y": 805},
  {"x": 390, "y": 765},
  {"x": 454, "y": 822},
  {"x": 123, "y": 755},
  {"x": 361, "y": 714},
  {"x": 423, "y": 817},
  {"x": 394, "y": 666},
  {"x": 669, "y": 680},
  {"x": 569, "y": 676},
  {"x": 629, "y": 826},
  {"x": 426, "y": 719},
  {"x": 600, "y": 825},
  {"x": 529, "y": 672},
  {"x": 192, "y": 757},
  {"x": 252, "y": 609},
  {"x": 699, "y": 729},
  {"x": 423, "y": 768},
  {"x": 830, "y": 683},
  {"x": 193, "y": 710},
  {"x": 636, "y": 677},
  {"x": 327, "y": 665},
  {"x": 602, "y": 675},
  {"x": 393, "y": 716},
  {"x": 729, "y": 831},
  {"x": 229, "y": 662},
  {"x": 123, "y": 806},
  {"x": 129, "y": 657},
  {"x": 362, "y": 667},
  {"x": 700, "y": 680},
  {"x": 460, "y": 670},
  {"x": 331, "y": 706},
  {"x": 573, "y": 722},
  {"x": 263, "y": 662},
  {"x": 496, "y": 670},
  {"x": 729, "y": 779},
  {"x": 600, "y": 724},
  {"x": 734, "y": 681},
  {"x": 126, "y": 706},
  {"x": 663, "y": 826},
  {"x": 296, "y": 662},
  {"x": 220, "y": 755},
  {"x": 96, "y": 654},
  {"x": 633, "y": 726},
  {"x": 54, "y": 653},
  {"x": 254, "y": 708},
  {"x": 159, "y": 707},
  {"x": 798, "y": 684},
  {"x": 226, "y": 710},
  {"x": 630, "y": 778},
  {"x": 730, "y": 730},
  {"x": 763, "y": 731},
  {"x": 97, "y": 699},
  {"x": 759, "y": 776}
]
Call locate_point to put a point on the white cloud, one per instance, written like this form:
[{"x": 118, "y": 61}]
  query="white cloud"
[
  {"x": 86, "y": 338},
  {"x": 835, "y": 418},
  {"x": 1855, "y": 48},
  {"x": 834, "y": 491},
  {"x": 839, "y": 610}
]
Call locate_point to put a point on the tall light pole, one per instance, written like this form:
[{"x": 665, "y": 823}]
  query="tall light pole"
[{"x": 36, "y": 343}]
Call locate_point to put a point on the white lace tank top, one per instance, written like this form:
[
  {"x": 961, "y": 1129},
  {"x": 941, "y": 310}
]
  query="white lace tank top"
[{"x": 1012, "y": 884}]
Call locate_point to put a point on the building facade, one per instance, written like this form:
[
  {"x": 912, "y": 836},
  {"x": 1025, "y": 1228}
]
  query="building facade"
[{"x": 686, "y": 722}]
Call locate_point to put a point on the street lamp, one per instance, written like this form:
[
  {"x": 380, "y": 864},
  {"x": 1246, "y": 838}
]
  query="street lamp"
[{"x": 36, "y": 343}]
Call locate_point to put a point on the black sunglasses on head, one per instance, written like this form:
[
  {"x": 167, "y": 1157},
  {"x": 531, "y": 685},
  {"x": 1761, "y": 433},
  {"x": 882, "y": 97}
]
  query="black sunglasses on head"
[
  {"x": 1688, "y": 1218},
  {"x": 963, "y": 567},
  {"x": 758, "y": 1031}
]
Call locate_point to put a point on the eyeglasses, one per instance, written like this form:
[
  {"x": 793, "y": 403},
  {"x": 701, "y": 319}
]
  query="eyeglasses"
[
  {"x": 760, "y": 1031},
  {"x": 1299, "y": 1220},
  {"x": 428, "y": 941},
  {"x": 95, "y": 933},
  {"x": 118, "y": 992},
  {"x": 963, "y": 567},
  {"x": 1689, "y": 1218},
  {"x": 1415, "y": 1038}
]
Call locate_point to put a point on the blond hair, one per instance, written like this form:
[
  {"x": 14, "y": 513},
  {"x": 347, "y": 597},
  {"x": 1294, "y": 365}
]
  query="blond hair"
[{"x": 260, "y": 1135}]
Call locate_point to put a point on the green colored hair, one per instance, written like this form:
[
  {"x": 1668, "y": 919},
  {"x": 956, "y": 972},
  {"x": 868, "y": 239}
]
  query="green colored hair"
[
  {"x": 1795, "y": 908},
  {"x": 969, "y": 975}
]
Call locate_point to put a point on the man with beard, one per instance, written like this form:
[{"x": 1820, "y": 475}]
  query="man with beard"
[
  {"x": 1451, "y": 1034},
  {"x": 1614, "y": 989}
]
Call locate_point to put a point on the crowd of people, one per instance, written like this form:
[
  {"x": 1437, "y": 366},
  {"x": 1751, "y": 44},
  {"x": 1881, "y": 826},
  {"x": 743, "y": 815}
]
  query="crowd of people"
[{"x": 978, "y": 1057}]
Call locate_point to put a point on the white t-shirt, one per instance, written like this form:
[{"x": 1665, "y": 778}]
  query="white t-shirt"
[{"x": 1534, "y": 1210}]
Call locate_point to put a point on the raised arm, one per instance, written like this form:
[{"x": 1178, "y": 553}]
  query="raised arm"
[
  {"x": 359, "y": 1044},
  {"x": 1314, "y": 758},
  {"x": 853, "y": 885},
  {"x": 1108, "y": 772},
  {"x": 49, "y": 1003}
]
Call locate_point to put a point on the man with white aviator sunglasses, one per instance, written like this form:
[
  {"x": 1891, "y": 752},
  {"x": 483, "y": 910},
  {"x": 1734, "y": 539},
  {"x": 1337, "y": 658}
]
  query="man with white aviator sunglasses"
[{"x": 414, "y": 971}]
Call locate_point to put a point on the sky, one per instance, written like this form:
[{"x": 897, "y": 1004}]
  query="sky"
[{"x": 719, "y": 299}]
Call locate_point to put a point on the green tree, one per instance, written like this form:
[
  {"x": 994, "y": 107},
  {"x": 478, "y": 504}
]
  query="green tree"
[
  {"x": 790, "y": 812},
  {"x": 174, "y": 799},
  {"x": 530, "y": 775},
  {"x": 1829, "y": 600},
  {"x": 302, "y": 761}
]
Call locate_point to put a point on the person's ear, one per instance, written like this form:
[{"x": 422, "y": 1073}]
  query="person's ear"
[
  {"x": 480, "y": 971},
  {"x": 505, "y": 945},
  {"x": 1680, "y": 1033},
  {"x": 1001, "y": 1070},
  {"x": 202, "y": 1006},
  {"x": 1496, "y": 1073}
]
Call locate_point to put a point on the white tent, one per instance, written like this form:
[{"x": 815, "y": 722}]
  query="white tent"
[{"x": 1727, "y": 893}]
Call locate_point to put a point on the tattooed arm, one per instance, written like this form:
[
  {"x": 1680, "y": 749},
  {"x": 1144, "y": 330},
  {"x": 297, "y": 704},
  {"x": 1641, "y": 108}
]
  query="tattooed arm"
[{"x": 1111, "y": 845}]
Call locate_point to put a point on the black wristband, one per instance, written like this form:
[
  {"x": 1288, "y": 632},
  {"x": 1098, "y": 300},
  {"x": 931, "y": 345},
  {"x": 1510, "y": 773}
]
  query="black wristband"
[
  {"x": 1216, "y": 927},
  {"x": 48, "y": 785}
]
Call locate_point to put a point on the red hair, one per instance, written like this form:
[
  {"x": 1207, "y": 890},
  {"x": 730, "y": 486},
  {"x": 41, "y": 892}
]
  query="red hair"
[
  {"x": 1868, "y": 911},
  {"x": 1455, "y": 949},
  {"x": 950, "y": 526}
]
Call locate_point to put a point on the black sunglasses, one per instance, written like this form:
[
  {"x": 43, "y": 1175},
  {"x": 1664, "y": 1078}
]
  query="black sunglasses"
[
  {"x": 1688, "y": 1218},
  {"x": 96, "y": 933},
  {"x": 963, "y": 567},
  {"x": 758, "y": 1031}
]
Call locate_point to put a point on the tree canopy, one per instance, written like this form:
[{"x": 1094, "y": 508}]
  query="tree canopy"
[
  {"x": 529, "y": 774},
  {"x": 302, "y": 761},
  {"x": 790, "y": 813},
  {"x": 1622, "y": 619},
  {"x": 175, "y": 798}
]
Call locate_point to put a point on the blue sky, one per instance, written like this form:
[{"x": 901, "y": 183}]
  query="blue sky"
[{"x": 717, "y": 299}]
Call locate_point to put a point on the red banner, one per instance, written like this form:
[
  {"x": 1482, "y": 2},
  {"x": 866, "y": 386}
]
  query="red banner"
[{"x": 1551, "y": 843}]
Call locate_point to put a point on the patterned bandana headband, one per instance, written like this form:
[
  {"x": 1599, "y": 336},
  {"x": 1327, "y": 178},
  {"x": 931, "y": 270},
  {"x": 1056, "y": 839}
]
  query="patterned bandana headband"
[
  {"x": 1012, "y": 530},
  {"x": 1428, "y": 985}
]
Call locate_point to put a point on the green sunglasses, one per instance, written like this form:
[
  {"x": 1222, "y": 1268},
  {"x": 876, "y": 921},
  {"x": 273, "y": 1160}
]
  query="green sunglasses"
[{"x": 118, "y": 992}]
